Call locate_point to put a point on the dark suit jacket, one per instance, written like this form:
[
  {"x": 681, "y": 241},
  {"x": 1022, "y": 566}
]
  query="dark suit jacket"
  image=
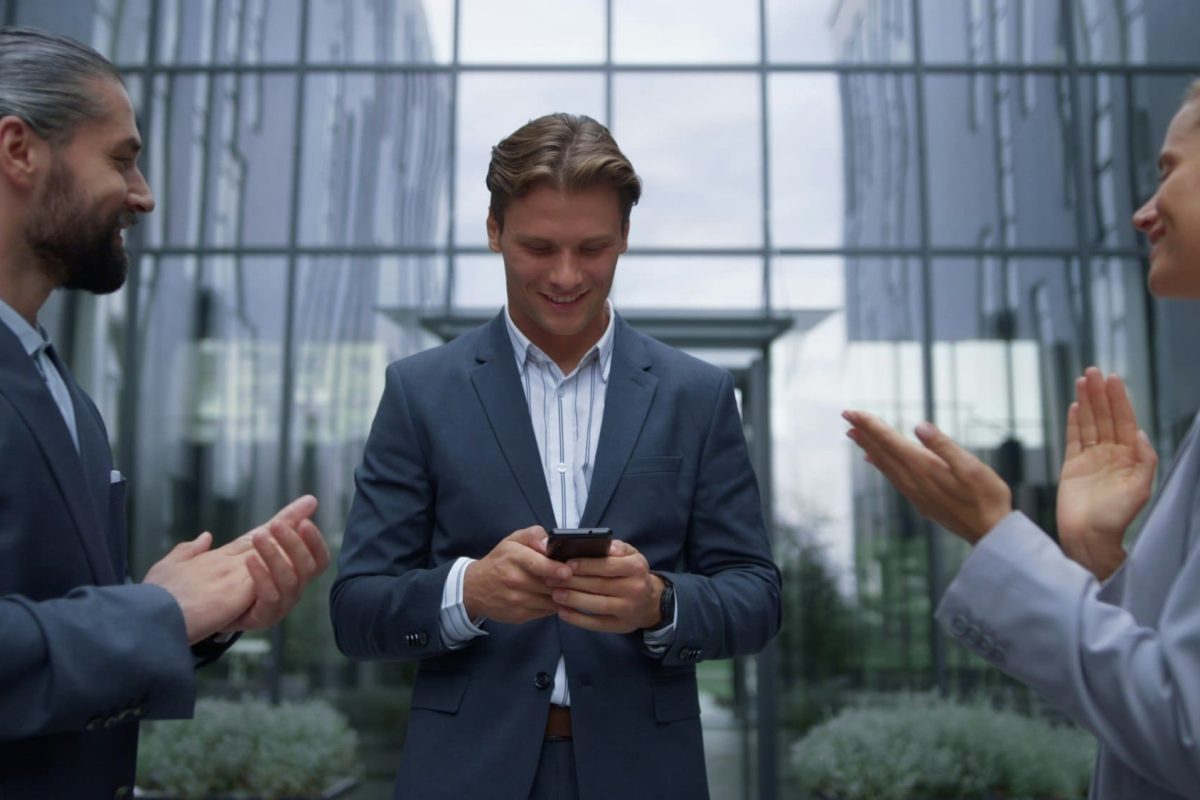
[
  {"x": 451, "y": 467},
  {"x": 82, "y": 657}
]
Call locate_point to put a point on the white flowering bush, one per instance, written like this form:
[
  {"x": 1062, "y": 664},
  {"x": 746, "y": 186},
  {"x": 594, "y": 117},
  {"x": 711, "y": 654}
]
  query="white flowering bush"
[
  {"x": 924, "y": 747},
  {"x": 248, "y": 749}
]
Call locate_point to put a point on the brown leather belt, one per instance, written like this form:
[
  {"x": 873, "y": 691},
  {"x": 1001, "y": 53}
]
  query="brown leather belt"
[{"x": 558, "y": 723}]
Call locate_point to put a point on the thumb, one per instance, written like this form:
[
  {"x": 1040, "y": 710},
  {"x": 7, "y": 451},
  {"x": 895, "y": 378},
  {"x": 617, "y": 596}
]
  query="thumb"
[
  {"x": 534, "y": 537},
  {"x": 187, "y": 550},
  {"x": 1147, "y": 458}
]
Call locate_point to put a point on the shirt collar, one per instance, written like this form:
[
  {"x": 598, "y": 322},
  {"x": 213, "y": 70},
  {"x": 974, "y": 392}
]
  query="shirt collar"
[
  {"x": 524, "y": 349},
  {"x": 32, "y": 339}
]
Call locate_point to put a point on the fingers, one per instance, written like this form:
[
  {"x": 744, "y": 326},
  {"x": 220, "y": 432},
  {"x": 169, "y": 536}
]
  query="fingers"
[
  {"x": 592, "y": 622},
  {"x": 1124, "y": 418},
  {"x": 1101, "y": 411},
  {"x": 269, "y": 545},
  {"x": 186, "y": 550},
  {"x": 1088, "y": 435},
  {"x": 632, "y": 563},
  {"x": 1147, "y": 458},
  {"x": 299, "y": 509}
]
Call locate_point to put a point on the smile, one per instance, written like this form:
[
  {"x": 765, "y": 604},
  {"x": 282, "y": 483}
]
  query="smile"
[{"x": 563, "y": 299}]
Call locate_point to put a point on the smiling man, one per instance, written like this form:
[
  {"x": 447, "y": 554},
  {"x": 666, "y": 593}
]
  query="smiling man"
[
  {"x": 85, "y": 654},
  {"x": 540, "y": 678}
]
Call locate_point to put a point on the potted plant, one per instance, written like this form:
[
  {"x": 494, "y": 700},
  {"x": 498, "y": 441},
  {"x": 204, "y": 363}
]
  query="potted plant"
[{"x": 249, "y": 749}]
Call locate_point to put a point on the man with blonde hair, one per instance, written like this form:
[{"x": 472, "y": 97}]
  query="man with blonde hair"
[{"x": 541, "y": 678}]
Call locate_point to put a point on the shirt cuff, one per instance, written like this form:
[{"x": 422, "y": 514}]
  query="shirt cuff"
[
  {"x": 658, "y": 642},
  {"x": 457, "y": 628}
]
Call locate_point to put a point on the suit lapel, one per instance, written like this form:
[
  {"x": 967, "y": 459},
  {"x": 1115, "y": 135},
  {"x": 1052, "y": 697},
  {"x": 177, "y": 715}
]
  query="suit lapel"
[
  {"x": 27, "y": 392},
  {"x": 94, "y": 452},
  {"x": 498, "y": 386},
  {"x": 630, "y": 391}
]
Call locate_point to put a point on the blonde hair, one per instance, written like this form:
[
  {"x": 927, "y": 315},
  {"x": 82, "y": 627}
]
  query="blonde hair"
[{"x": 568, "y": 151}]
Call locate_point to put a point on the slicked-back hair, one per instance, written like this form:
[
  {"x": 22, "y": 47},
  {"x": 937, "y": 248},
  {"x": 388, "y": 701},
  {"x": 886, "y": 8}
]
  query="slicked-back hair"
[
  {"x": 567, "y": 151},
  {"x": 48, "y": 81}
]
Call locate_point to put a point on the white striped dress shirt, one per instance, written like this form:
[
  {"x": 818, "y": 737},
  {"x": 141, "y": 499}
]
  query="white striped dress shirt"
[{"x": 566, "y": 412}]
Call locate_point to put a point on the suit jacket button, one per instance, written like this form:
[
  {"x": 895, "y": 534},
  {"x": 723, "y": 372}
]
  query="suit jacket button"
[
  {"x": 542, "y": 681},
  {"x": 958, "y": 625},
  {"x": 422, "y": 639}
]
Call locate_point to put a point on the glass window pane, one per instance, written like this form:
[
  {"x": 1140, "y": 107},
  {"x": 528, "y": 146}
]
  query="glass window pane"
[
  {"x": 702, "y": 31},
  {"x": 367, "y": 31},
  {"x": 479, "y": 283},
  {"x": 208, "y": 409},
  {"x": 532, "y": 31},
  {"x": 219, "y": 157},
  {"x": 120, "y": 30},
  {"x": 376, "y": 161},
  {"x": 831, "y": 30},
  {"x": 691, "y": 282},
  {"x": 999, "y": 173},
  {"x": 493, "y": 105},
  {"x": 807, "y": 171},
  {"x": 991, "y": 31},
  {"x": 223, "y": 32},
  {"x": 1159, "y": 32},
  {"x": 879, "y": 161},
  {"x": 695, "y": 140},
  {"x": 815, "y": 282}
]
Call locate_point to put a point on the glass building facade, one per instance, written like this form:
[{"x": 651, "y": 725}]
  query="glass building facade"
[{"x": 917, "y": 207}]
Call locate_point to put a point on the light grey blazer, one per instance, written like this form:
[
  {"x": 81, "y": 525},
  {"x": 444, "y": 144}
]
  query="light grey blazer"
[{"x": 1122, "y": 658}]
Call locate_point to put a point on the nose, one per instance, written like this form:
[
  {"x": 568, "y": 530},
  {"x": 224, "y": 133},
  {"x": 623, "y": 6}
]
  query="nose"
[
  {"x": 565, "y": 272},
  {"x": 1144, "y": 217},
  {"x": 140, "y": 199}
]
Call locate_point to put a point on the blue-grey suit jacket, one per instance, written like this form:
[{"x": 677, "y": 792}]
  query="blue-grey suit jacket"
[
  {"x": 451, "y": 467},
  {"x": 1122, "y": 658},
  {"x": 82, "y": 657}
]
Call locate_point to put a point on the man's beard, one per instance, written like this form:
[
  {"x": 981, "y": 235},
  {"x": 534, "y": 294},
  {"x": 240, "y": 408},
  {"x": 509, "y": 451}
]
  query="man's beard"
[{"x": 77, "y": 250}]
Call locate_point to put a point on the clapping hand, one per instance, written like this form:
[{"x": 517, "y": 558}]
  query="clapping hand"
[
  {"x": 1106, "y": 474},
  {"x": 943, "y": 481}
]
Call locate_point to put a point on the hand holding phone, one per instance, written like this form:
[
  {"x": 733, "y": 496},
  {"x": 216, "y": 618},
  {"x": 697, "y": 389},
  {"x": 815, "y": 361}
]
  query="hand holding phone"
[{"x": 566, "y": 543}]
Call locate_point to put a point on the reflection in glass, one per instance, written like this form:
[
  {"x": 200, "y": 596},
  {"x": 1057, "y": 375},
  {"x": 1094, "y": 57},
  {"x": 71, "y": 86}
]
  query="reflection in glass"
[
  {"x": 220, "y": 146},
  {"x": 879, "y": 32},
  {"x": 493, "y": 105},
  {"x": 532, "y": 32},
  {"x": 1002, "y": 177},
  {"x": 709, "y": 31},
  {"x": 1137, "y": 33},
  {"x": 664, "y": 282},
  {"x": 991, "y": 31},
  {"x": 807, "y": 172},
  {"x": 695, "y": 141},
  {"x": 367, "y": 31},
  {"x": 213, "y": 32},
  {"x": 808, "y": 283},
  {"x": 376, "y": 160},
  {"x": 879, "y": 162}
]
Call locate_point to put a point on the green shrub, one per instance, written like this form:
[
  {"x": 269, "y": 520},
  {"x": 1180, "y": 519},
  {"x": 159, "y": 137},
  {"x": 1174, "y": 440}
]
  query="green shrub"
[
  {"x": 925, "y": 747},
  {"x": 248, "y": 749}
]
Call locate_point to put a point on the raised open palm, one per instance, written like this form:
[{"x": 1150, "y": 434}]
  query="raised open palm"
[{"x": 1106, "y": 475}]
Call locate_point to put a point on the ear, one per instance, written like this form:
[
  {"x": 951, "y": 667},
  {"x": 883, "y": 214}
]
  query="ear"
[
  {"x": 493, "y": 233},
  {"x": 624, "y": 236},
  {"x": 21, "y": 151}
]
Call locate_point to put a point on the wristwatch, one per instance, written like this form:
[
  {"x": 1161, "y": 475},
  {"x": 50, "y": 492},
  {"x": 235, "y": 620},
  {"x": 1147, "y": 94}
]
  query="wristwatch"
[{"x": 666, "y": 604}]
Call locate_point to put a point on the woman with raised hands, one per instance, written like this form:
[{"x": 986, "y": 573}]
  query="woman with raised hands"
[{"x": 1111, "y": 638}]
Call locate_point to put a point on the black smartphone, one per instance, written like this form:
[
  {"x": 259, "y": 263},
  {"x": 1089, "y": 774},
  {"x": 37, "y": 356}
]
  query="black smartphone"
[{"x": 567, "y": 543}]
